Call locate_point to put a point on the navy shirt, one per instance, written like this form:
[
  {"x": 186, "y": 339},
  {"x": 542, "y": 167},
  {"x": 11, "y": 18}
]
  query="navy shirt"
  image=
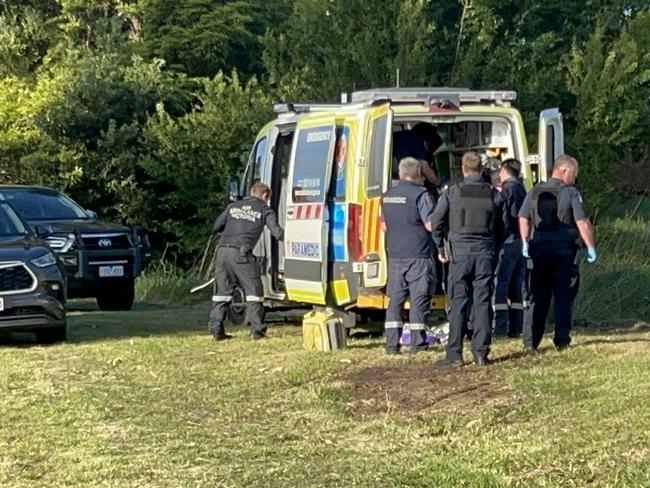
[
  {"x": 407, "y": 143},
  {"x": 464, "y": 244},
  {"x": 513, "y": 195},
  {"x": 242, "y": 223}
]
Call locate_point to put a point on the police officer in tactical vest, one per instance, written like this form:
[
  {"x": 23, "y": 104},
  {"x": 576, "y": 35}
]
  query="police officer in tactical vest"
[
  {"x": 241, "y": 225},
  {"x": 559, "y": 223},
  {"x": 406, "y": 211},
  {"x": 511, "y": 271},
  {"x": 466, "y": 215}
]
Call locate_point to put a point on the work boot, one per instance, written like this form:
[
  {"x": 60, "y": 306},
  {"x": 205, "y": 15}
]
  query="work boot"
[
  {"x": 256, "y": 336},
  {"x": 448, "y": 363},
  {"x": 222, "y": 337},
  {"x": 482, "y": 361}
]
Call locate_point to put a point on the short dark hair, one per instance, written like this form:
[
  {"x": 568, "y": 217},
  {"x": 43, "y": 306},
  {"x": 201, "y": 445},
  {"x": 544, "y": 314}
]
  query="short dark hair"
[
  {"x": 428, "y": 132},
  {"x": 512, "y": 167}
]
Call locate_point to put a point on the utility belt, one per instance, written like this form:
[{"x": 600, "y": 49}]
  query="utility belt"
[{"x": 244, "y": 251}]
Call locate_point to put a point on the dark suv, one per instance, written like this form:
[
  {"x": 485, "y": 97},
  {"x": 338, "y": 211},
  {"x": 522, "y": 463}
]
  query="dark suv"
[
  {"x": 32, "y": 286},
  {"x": 101, "y": 259}
]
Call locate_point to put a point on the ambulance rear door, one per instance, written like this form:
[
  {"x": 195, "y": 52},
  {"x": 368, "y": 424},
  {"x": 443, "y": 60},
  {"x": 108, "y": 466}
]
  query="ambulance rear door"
[
  {"x": 550, "y": 141},
  {"x": 307, "y": 224},
  {"x": 378, "y": 163}
]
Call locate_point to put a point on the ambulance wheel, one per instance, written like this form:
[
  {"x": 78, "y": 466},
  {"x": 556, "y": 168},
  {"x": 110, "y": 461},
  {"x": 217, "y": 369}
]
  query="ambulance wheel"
[{"x": 237, "y": 310}]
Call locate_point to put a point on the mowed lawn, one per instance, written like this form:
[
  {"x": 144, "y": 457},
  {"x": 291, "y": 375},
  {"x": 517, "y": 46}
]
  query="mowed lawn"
[{"x": 146, "y": 398}]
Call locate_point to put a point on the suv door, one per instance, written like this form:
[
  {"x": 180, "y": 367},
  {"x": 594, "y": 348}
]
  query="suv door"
[{"x": 307, "y": 225}]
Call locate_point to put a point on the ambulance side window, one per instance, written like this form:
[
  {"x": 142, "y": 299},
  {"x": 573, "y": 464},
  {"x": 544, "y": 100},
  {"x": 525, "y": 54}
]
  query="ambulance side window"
[
  {"x": 376, "y": 161},
  {"x": 256, "y": 166},
  {"x": 310, "y": 165},
  {"x": 337, "y": 185}
]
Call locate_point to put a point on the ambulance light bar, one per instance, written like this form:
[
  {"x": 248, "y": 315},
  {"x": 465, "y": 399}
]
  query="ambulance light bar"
[
  {"x": 285, "y": 108},
  {"x": 423, "y": 95}
]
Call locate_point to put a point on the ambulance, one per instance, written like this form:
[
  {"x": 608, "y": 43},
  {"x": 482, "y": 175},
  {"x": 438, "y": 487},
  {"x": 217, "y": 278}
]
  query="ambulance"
[{"x": 328, "y": 165}]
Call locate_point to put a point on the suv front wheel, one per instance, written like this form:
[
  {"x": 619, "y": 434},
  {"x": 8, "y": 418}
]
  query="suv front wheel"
[{"x": 116, "y": 295}]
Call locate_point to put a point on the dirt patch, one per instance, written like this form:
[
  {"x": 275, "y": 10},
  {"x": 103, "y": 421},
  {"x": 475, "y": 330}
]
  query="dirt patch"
[{"x": 416, "y": 388}]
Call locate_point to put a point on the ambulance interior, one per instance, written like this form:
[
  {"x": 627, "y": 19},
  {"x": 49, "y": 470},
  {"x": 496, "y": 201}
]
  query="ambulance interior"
[{"x": 491, "y": 137}]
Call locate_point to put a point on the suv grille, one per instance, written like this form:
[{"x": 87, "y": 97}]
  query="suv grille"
[
  {"x": 106, "y": 242},
  {"x": 15, "y": 277}
]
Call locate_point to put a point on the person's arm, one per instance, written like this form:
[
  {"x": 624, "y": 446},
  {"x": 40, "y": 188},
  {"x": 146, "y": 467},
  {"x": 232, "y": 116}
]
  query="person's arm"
[
  {"x": 425, "y": 208},
  {"x": 586, "y": 231},
  {"x": 439, "y": 225},
  {"x": 220, "y": 222},
  {"x": 428, "y": 173},
  {"x": 271, "y": 222},
  {"x": 524, "y": 219}
]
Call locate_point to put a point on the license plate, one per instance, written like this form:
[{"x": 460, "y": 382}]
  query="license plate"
[
  {"x": 2, "y": 304},
  {"x": 111, "y": 271}
]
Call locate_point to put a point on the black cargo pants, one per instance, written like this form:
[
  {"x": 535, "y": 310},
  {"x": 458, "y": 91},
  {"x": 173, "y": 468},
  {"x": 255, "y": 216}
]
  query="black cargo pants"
[
  {"x": 555, "y": 274},
  {"x": 412, "y": 278},
  {"x": 231, "y": 268},
  {"x": 470, "y": 290},
  {"x": 511, "y": 276}
]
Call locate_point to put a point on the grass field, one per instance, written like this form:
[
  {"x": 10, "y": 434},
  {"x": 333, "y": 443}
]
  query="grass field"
[{"x": 147, "y": 399}]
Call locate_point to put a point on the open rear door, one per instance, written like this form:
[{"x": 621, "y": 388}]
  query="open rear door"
[
  {"x": 307, "y": 228},
  {"x": 378, "y": 177},
  {"x": 550, "y": 140}
]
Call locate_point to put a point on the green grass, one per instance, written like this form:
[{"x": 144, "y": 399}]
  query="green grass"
[{"x": 147, "y": 399}]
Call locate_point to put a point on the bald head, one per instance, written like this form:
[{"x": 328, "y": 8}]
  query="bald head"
[{"x": 565, "y": 168}]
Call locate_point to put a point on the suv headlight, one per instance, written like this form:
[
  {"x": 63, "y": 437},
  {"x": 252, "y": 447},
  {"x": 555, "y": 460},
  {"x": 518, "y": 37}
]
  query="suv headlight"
[
  {"x": 60, "y": 243},
  {"x": 44, "y": 261}
]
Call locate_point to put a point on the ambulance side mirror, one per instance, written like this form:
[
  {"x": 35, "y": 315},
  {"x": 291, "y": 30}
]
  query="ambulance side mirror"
[{"x": 233, "y": 186}]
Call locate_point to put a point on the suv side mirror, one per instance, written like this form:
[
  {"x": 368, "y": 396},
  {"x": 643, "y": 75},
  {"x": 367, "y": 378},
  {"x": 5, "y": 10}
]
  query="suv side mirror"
[
  {"x": 91, "y": 213},
  {"x": 233, "y": 185}
]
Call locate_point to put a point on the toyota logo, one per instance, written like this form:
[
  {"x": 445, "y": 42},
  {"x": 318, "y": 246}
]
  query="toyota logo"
[{"x": 105, "y": 243}]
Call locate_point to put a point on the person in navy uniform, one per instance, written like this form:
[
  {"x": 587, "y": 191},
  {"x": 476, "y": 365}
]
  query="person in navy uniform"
[
  {"x": 420, "y": 142},
  {"x": 511, "y": 271},
  {"x": 553, "y": 224},
  {"x": 406, "y": 211},
  {"x": 241, "y": 225},
  {"x": 466, "y": 216}
]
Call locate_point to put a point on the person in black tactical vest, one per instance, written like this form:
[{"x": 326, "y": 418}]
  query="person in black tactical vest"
[
  {"x": 559, "y": 221},
  {"x": 511, "y": 271},
  {"x": 406, "y": 210},
  {"x": 466, "y": 215},
  {"x": 241, "y": 225}
]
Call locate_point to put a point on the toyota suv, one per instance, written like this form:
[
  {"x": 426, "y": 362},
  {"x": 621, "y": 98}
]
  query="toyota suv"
[
  {"x": 101, "y": 260},
  {"x": 32, "y": 286}
]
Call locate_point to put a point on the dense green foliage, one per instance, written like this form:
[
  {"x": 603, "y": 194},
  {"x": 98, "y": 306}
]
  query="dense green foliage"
[{"x": 139, "y": 108}]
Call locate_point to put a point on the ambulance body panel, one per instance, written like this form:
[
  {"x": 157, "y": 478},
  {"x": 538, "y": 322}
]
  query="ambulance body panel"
[{"x": 328, "y": 165}]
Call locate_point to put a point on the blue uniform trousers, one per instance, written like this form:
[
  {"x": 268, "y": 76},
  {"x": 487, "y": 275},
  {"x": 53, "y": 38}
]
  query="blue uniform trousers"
[
  {"x": 414, "y": 279},
  {"x": 470, "y": 290},
  {"x": 509, "y": 292},
  {"x": 554, "y": 274}
]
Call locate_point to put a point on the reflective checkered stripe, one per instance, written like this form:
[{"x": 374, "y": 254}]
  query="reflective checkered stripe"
[
  {"x": 253, "y": 298},
  {"x": 393, "y": 325},
  {"x": 221, "y": 298},
  {"x": 517, "y": 306},
  {"x": 417, "y": 326},
  {"x": 501, "y": 307}
]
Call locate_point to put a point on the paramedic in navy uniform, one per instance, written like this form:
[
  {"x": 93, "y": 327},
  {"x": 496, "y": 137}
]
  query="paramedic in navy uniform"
[
  {"x": 406, "y": 210},
  {"x": 559, "y": 224},
  {"x": 241, "y": 225},
  {"x": 511, "y": 272},
  {"x": 468, "y": 211}
]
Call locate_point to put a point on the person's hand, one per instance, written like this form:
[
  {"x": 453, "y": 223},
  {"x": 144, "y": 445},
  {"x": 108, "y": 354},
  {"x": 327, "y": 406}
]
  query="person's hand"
[
  {"x": 442, "y": 256},
  {"x": 524, "y": 249},
  {"x": 592, "y": 255}
]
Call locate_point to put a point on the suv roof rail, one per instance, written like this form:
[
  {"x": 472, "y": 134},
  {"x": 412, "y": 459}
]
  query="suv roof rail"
[{"x": 432, "y": 95}]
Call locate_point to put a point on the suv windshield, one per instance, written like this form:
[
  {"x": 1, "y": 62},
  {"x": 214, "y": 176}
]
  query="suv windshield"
[
  {"x": 43, "y": 205},
  {"x": 10, "y": 223}
]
